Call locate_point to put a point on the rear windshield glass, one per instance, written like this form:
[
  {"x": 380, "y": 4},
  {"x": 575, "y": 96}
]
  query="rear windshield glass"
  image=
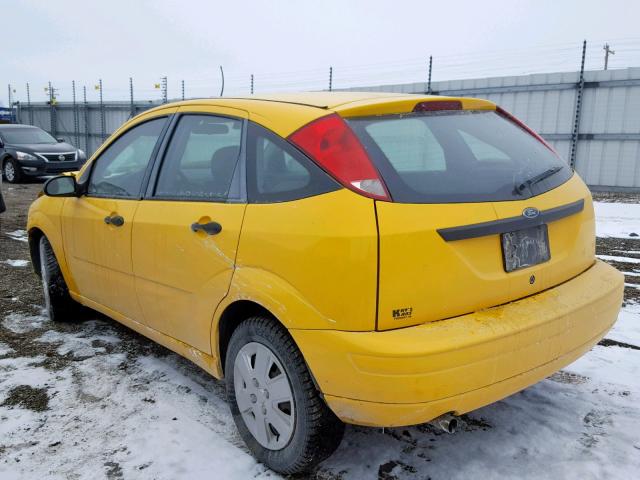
[{"x": 471, "y": 156}]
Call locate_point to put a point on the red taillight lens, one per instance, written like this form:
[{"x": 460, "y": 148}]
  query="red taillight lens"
[
  {"x": 331, "y": 144},
  {"x": 503, "y": 113},
  {"x": 438, "y": 106}
]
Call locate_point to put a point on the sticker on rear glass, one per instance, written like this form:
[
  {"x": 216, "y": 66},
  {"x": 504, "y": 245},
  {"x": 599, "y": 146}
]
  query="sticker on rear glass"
[{"x": 402, "y": 313}]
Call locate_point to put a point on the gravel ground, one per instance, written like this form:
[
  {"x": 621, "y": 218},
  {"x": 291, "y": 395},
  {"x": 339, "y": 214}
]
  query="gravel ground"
[{"x": 96, "y": 400}]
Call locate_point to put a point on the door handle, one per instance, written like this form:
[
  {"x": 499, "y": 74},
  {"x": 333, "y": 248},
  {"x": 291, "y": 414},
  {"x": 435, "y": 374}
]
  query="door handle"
[
  {"x": 211, "y": 228},
  {"x": 115, "y": 220}
]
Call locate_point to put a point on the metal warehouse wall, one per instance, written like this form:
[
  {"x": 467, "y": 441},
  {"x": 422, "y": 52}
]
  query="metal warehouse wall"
[
  {"x": 607, "y": 144},
  {"x": 85, "y": 125}
]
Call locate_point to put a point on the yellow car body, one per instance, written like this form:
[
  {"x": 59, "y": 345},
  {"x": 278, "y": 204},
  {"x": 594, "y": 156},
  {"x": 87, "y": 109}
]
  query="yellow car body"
[{"x": 396, "y": 324}]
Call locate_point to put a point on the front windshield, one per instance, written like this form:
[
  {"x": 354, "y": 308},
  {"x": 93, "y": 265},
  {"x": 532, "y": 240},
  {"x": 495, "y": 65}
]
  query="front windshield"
[
  {"x": 472, "y": 156},
  {"x": 23, "y": 136}
]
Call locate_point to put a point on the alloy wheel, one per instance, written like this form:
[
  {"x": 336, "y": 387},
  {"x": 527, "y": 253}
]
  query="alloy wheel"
[{"x": 9, "y": 171}]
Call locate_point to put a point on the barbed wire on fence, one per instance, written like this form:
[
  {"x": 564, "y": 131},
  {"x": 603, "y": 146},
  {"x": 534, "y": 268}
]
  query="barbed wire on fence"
[{"x": 507, "y": 61}]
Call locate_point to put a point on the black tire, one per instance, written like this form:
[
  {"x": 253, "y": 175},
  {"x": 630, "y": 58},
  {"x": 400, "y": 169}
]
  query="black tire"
[
  {"x": 317, "y": 431},
  {"x": 11, "y": 171},
  {"x": 59, "y": 305}
]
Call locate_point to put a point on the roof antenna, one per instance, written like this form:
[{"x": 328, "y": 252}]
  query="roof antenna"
[{"x": 222, "y": 75}]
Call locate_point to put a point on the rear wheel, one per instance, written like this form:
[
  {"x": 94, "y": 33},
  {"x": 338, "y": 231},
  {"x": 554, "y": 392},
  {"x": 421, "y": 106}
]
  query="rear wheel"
[
  {"x": 11, "y": 171},
  {"x": 274, "y": 402},
  {"x": 58, "y": 304}
]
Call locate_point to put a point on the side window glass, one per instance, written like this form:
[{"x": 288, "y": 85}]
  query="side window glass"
[
  {"x": 120, "y": 169},
  {"x": 278, "y": 172},
  {"x": 201, "y": 158}
]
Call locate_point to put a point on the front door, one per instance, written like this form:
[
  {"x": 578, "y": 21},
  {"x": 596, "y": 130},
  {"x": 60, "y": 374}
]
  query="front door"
[
  {"x": 97, "y": 226},
  {"x": 186, "y": 230}
]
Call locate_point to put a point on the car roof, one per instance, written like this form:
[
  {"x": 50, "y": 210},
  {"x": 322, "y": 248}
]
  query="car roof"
[{"x": 286, "y": 112}]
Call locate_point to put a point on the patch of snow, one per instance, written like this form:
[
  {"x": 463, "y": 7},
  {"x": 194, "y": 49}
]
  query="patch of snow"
[
  {"x": 617, "y": 219},
  {"x": 5, "y": 349},
  {"x": 20, "y": 235},
  {"x": 627, "y": 328},
  {"x": 614, "y": 258},
  {"x": 77, "y": 344},
  {"x": 16, "y": 263},
  {"x": 20, "y": 323}
]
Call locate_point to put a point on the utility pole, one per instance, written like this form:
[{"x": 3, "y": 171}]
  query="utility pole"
[
  {"x": 252, "y": 84},
  {"x": 429, "y": 79},
  {"x": 182, "y": 82},
  {"x": 330, "y": 79},
  {"x": 607, "y": 52},
  {"x": 9, "y": 99}
]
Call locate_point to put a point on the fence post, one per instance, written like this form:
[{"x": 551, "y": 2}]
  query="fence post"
[
  {"x": 29, "y": 105},
  {"x": 76, "y": 126},
  {"x": 132, "y": 107},
  {"x": 252, "y": 84},
  {"x": 576, "y": 121},
  {"x": 330, "y": 78},
  {"x": 164, "y": 90},
  {"x": 86, "y": 119},
  {"x": 53, "y": 121},
  {"x": 103, "y": 128},
  {"x": 429, "y": 79}
]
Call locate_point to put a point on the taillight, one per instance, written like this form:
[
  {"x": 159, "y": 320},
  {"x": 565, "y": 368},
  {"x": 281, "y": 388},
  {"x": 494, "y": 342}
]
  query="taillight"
[
  {"x": 438, "y": 106},
  {"x": 333, "y": 146},
  {"x": 503, "y": 113}
]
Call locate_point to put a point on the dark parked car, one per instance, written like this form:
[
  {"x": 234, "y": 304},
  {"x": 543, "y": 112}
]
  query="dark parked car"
[
  {"x": 26, "y": 150},
  {"x": 2, "y": 205}
]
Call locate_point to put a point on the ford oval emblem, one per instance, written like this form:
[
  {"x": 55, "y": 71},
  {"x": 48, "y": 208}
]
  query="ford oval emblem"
[{"x": 530, "y": 212}]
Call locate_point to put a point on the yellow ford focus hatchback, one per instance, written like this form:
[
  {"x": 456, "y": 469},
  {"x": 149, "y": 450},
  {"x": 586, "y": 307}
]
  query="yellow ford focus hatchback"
[{"x": 373, "y": 259}]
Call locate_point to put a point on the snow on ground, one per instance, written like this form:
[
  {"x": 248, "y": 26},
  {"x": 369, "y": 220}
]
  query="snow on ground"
[
  {"x": 617, "y": 219},
  {"x": 16, "y": 263},
  {"x": 20, "y": 235},
  {"x": 94, "y": 400}
]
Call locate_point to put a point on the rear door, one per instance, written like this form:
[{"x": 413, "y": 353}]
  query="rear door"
[
  {"x": 186, "y": 230},
  {"x": 97, "y": 226},
  {"x": 448, "y": 172}
]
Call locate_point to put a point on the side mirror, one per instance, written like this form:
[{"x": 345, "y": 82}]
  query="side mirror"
[
  {"x": 60, "y": 140},
  {"x": 61, "y": 186}
]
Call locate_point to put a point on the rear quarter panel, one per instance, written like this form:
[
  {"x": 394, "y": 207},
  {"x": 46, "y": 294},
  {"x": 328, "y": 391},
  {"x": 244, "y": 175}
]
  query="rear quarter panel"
[{"x": 311, "y": 262}]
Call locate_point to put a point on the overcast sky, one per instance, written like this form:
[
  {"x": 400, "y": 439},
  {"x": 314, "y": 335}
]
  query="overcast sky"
[{"x": 291, "y": 44}]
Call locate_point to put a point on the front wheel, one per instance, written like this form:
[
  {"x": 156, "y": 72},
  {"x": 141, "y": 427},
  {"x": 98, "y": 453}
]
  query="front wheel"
[
  {"x": 58, "y": 304},
  {"x": 11, "y": 171},
  {"x": 274, "y": 402}
]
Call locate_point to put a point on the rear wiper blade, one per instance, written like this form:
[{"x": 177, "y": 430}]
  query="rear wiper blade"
[{"x": 538, "y": 178}]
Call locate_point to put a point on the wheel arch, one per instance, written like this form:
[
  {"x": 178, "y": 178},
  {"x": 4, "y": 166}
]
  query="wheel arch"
[
  {"x": 44, "y": 221},
  {"x": 232, "y": 316}
]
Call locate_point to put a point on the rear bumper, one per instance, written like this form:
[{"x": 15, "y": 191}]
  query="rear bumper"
[{"x": 412, "y": 375}]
